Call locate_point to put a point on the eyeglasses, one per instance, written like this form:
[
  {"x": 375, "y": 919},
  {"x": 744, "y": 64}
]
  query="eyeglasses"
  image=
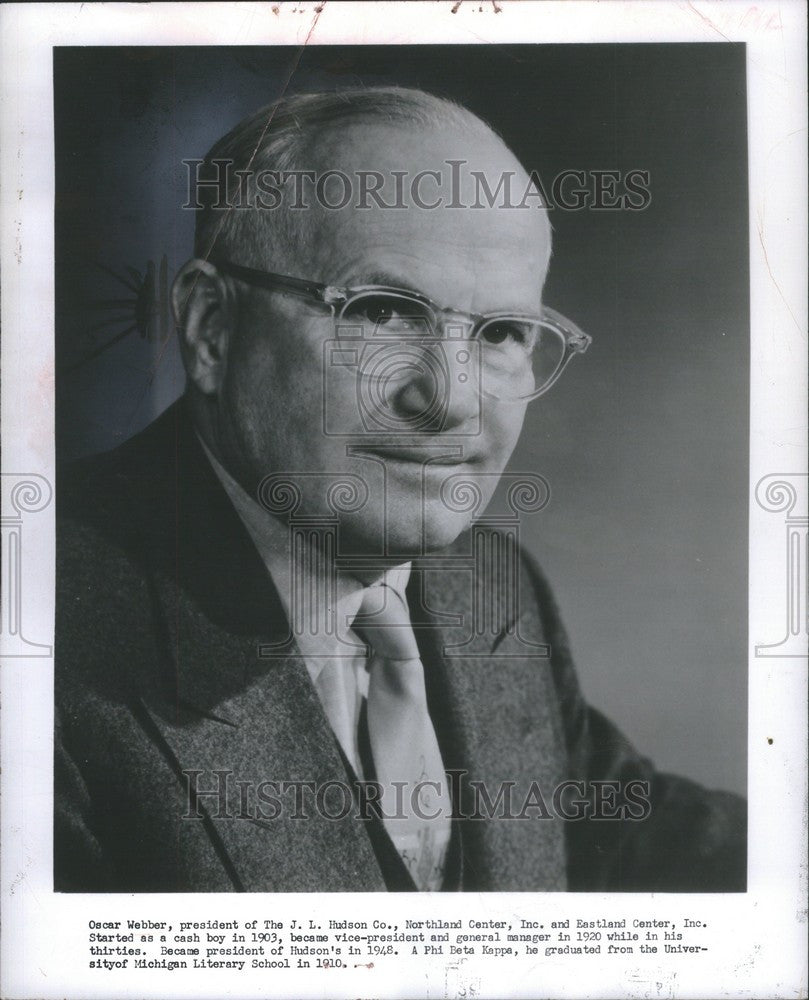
[{"x": 521, "y": 356}]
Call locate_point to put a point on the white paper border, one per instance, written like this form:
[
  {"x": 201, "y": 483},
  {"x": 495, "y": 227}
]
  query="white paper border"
[{"x": 761, "y": 952}]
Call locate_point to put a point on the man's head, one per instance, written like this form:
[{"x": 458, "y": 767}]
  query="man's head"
[{"x": 269, "y": 393}]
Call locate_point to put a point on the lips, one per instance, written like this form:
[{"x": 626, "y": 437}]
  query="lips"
[{"x": 423, "y": 456}]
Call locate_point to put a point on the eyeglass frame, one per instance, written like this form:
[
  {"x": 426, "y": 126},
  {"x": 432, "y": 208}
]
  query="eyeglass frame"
[{"x": 576, "y": 340}]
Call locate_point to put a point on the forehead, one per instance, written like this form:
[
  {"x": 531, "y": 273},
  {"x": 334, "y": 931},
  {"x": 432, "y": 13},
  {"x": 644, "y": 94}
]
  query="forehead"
[{"x": 464, "y": 251}]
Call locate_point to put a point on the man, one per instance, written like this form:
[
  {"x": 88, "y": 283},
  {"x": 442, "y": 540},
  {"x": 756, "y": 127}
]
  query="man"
[{"x": 290, "y": 654}]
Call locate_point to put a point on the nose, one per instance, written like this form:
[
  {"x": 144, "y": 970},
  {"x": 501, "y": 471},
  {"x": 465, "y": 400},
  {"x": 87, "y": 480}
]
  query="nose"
[{"x": 443, "y": 389}]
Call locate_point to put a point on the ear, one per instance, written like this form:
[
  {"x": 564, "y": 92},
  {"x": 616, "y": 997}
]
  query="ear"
[{"x": 205, "y": 311}]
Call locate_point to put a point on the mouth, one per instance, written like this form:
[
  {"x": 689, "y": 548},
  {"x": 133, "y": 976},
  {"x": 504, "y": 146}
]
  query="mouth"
[{"x": 428, "y": 457}]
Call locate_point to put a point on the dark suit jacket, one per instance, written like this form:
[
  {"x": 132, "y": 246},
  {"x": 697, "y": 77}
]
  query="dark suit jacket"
[{"x": 162, "y": 606}]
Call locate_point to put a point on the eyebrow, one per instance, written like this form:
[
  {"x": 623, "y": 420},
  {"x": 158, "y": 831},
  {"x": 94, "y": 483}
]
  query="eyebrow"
[{"x": 389, "y": 279}]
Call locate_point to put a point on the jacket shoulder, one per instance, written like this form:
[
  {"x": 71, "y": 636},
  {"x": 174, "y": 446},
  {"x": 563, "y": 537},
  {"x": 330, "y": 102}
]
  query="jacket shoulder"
[{"x": 104, "y": 608}]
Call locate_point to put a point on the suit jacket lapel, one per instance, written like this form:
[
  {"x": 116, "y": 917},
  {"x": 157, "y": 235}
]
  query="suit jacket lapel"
[
  {"x": 493, "y": 704},
  {"x": 260, "y": 721}
]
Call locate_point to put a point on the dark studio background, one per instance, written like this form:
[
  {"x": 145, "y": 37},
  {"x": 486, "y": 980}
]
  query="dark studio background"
[{"x": 644, "y": 441}]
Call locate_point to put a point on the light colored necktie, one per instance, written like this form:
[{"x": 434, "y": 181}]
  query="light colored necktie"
[{"x": 415, "y": 800}]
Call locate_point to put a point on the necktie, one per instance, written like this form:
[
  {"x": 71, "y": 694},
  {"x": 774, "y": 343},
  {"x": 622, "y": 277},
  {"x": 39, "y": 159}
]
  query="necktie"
[{"x": 415, "y": 800}]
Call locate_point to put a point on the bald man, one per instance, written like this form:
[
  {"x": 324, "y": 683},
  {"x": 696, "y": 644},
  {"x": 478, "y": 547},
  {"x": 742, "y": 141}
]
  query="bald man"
[{"x": 291, "y": 652}]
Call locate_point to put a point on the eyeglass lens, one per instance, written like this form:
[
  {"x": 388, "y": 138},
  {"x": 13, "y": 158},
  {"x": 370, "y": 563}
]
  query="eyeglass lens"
[{"x": 518, "y": 357}]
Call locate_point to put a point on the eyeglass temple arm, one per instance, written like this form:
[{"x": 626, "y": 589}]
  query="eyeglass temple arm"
[
  {"x": 576, "y": 339},
  {"x": 265, "y": 279}
]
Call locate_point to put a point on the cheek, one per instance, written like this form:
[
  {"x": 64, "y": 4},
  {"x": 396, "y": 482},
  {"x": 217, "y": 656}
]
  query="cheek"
[
  {"x": 275, "y": 397},
  {"x": 503, "y": 424}
]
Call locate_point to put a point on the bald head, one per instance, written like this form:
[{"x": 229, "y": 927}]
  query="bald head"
[{"x": 295, "y": 171}]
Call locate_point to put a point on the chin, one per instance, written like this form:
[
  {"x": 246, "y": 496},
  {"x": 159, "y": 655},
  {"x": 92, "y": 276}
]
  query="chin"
[
  {"x": 438, "y": 530},
  {"x": 407, "y": 535}
]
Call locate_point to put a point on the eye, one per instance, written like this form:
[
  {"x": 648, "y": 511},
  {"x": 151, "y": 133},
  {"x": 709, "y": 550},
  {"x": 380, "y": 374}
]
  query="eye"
[
  {"x": 389, "y": 313},
  {"x": 506, "y": 331},
  {"x": 378, "y": 310}
]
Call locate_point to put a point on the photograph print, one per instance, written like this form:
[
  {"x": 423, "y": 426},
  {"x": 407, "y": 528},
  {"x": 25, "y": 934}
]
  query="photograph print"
[{"x": 402, "y": 444}]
